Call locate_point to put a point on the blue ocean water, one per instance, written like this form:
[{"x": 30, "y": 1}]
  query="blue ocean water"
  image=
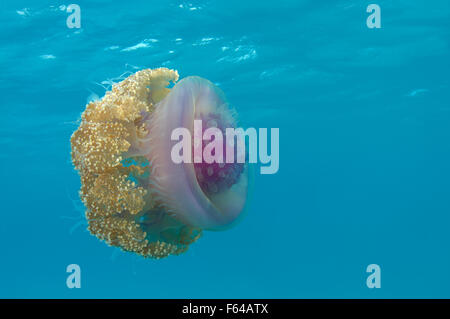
[{"x": 364, "y": 120}]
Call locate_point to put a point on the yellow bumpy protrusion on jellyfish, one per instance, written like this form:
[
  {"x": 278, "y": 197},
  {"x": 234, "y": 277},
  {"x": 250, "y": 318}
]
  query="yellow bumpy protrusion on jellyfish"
[{"x": 136, "y": 197}]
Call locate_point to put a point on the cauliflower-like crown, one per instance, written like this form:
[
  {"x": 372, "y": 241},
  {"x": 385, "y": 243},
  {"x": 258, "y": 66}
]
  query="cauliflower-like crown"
[{"x": 113, "y": 186}]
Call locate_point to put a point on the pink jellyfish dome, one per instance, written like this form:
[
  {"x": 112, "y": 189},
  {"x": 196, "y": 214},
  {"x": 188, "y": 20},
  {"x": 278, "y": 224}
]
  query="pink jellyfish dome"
[{"x": 203, "y": 195}]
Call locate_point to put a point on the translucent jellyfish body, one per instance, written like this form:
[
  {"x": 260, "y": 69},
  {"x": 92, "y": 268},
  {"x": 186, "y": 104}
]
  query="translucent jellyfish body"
[{"x": 136, "y": 196}]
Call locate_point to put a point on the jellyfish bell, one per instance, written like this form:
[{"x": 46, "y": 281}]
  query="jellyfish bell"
[
  {"x": 136, "y": 197},
  {"x": 205, "y": 195}
]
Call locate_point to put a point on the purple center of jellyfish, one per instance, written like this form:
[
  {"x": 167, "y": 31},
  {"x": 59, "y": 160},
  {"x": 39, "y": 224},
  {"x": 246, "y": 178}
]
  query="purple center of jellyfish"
[{"x": 216, "y": 177}]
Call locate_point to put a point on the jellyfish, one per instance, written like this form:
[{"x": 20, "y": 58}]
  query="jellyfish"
[{"x": 136, "y": 197}]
